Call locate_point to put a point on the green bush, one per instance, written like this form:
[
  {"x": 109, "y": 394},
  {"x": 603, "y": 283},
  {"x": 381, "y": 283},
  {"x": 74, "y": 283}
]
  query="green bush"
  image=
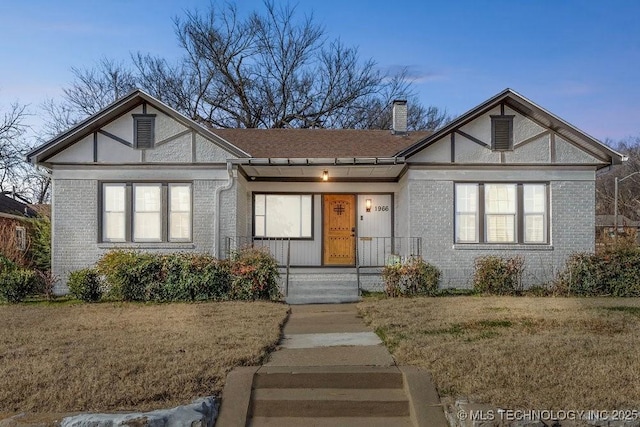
[
  {"x": 130, "y": 275},
  {"x": 614, "y": 272},
  {"x": 254, "y": 275},
  {"x": 16, "y": 284},
  {"x": 85, "y": 285},
  {"x": 135, "y": 276},
  {"x": 413, "y": 277},
  {"x": 194, "y": 277},
  {"x": 6, "y": 264},
  {"x": 497, "y": 275},
  {"x": 40, "y": 243}
]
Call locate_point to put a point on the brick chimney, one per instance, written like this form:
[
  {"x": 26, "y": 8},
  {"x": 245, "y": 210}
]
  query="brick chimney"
[{"x": 399, "y": 125}]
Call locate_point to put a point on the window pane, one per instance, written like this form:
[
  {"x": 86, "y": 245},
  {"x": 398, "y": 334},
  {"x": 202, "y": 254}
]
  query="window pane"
[
  {"x": 466, "y": 212},
  {"x": 147, "y": 198},
  {"x": 285, "y": 216},
  {"x": 466, "y": 197},
  {"x": 501, "y": 228},
  {"x": 259, "y": 225},
  {"x": 147, "y": 226},
  {"x": 180, "y": 196},
  {"x": 500, "y": 198},
  {"x": 534, "y": 228},
  {"x": 305, "y": 213},
  {"x": 113, "y": 216},
  {"x": 259, "y": 204},
  {"x": 180, "y": 228},
  {"x": 179, "y": 212},
  {"x": 534, "y": 198},
  {"x": 466, "y": 228},
  {"x": 147, "y": 216},
  {"x": 114, "y": 198}
]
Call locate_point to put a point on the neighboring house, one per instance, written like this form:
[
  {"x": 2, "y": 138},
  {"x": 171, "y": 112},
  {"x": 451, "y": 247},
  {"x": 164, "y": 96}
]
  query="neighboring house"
[
  {"x": 13, "y": 229},
  {"x": 506, "y": 178}
]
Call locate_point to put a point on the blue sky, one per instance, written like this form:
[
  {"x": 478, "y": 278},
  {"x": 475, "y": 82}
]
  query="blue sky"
[{"x": 580, "y": 59}]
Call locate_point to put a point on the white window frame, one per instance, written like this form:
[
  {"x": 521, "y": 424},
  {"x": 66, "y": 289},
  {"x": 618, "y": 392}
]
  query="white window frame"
[
  {"x": 21, "y": 238},
  {"x": 459, "y": 213},
  {"x": 261, "y": 216}
]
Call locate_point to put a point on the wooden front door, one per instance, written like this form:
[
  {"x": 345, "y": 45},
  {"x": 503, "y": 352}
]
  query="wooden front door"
[{"x": 339, "y": 225}]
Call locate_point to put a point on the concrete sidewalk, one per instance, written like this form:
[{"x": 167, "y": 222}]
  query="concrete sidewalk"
[
  {"x": 330, "y": 369},
  {"x": 329, "y": 335}
]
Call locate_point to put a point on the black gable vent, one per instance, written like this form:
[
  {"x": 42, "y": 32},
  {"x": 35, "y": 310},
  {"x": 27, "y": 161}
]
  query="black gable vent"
[
  {"x": 143, "y": 131},
  {"x": 502, "y": 132}
]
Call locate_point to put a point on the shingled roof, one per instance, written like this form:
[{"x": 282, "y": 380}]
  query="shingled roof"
[
  {"x": 319, "y": 143},
  {"x": 11, "y": 206}
]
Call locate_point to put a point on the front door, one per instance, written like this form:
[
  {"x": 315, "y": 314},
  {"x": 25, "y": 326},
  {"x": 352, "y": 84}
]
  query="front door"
[{"x": 339, "y": 225}]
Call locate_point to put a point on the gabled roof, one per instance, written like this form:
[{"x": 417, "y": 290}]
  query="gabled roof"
[
  {"x": 319, "y": 143},
  {"x": 13, "y": 207},
  {"x": 534, "y": 112},
  {"x": 112, "y": 112}
]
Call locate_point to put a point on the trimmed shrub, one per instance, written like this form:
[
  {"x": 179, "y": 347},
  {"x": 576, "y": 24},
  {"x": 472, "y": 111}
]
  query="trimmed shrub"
[
  {"x": 614, "y": 272},
  {"x": 131, "y": 276},
  {"x": 254, "y": 275},
  {"x": 194, "y": 277},
  {"x": 134, "y": 276},
  {"x": 16, "y": 284},
  {"x": 413, "y": 277},
  {"x": 85, "y": 285},
  {"x": 497, "y": 275}
]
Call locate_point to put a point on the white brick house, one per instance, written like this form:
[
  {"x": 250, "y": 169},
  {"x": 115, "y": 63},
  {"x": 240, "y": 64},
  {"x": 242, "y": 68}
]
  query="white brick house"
[{"x": 507, "y": 177}]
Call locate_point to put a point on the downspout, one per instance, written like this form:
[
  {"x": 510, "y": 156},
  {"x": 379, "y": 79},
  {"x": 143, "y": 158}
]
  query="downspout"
[{"x": 216, "y": 217}]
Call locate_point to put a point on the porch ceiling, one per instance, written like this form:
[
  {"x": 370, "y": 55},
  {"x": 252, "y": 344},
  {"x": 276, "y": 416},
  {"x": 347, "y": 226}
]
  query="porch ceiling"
[{"x": 314, "y": 172}]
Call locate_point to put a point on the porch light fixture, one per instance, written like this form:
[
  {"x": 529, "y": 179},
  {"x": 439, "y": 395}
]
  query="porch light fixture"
[
  {"x": 367, "y": 205},
  {"x": 325, "y": 175}
]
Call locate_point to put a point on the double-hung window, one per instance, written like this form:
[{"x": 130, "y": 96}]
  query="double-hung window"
[
  {"x": 146, "y": 212},
  {"x": 283, "y": 215},
  {"x": 501, "y": 213}
]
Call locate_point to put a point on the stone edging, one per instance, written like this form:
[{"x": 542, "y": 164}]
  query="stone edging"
[{"x": 201, "y": 413}]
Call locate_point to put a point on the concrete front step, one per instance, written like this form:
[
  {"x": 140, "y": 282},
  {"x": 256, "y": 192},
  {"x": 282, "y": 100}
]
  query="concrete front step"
[
  {"x": 331, "y": 421},
  {"x": 336, "y": 377},
  {"x": 329, "y": 402},
  {"x": 322, "y": 292},
  {"x": 321, "y": 299}
]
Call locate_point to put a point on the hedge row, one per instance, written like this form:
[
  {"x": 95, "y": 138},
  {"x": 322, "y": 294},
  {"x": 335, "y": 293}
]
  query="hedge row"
[{"x": 135, "y": 276}]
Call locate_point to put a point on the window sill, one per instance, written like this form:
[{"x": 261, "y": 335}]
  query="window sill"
[
  {"x": 154, "y": 245},
  {"x": 501, "y": 247}
]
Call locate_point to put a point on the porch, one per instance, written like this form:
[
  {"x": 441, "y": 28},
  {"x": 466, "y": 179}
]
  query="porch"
[{"x": 319, "y": 283}]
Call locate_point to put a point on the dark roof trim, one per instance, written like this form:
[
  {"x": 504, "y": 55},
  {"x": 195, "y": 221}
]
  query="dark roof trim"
[
  {"x": 115, "y": 110},
  {"x": 531, "y": 110},
  {"x": 320, "y": 161}
]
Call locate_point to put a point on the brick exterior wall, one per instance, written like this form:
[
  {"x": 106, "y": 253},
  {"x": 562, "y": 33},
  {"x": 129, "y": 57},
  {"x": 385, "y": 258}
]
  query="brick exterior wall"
[
  {"x": 572, "y": 230},
  {"x": 75, "y": 225}
]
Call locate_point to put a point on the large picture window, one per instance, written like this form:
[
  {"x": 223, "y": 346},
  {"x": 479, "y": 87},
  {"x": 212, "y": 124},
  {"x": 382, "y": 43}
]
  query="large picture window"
[
  {"x": 501, "y": 213},
  {"x": 283, "y": 215},
  {"x": 146, "y": 212}
]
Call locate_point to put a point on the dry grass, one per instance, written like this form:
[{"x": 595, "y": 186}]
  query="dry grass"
[
  {"x": 519, "y": 353},
  {"x": 97, "y": 357}
]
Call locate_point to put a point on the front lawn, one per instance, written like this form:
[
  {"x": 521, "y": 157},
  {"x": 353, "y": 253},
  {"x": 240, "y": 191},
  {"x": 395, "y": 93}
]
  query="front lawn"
[
  {"x": 123, "y": 356},
  {"x": 519, "y": 352}
]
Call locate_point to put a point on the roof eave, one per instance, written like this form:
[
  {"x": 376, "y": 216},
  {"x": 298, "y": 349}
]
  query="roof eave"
[{"x": 113, "y": 110}]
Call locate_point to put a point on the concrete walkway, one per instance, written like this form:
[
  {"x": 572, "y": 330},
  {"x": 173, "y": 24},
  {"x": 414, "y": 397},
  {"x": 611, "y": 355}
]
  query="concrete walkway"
[
  {"x": 330, "y": 369},
  {"x": 329, "y": 335}
]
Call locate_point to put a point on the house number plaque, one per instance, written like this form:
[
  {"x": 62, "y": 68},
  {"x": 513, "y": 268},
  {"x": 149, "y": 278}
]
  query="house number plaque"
[{"x": 381, "y": 209}]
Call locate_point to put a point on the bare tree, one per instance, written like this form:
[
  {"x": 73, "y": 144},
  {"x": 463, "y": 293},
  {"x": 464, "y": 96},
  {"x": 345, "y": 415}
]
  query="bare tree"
[
  {"x": 629, "y": 190},
  {"x": 12, "y": 148},
  {"x": 269, "y": 70}
]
